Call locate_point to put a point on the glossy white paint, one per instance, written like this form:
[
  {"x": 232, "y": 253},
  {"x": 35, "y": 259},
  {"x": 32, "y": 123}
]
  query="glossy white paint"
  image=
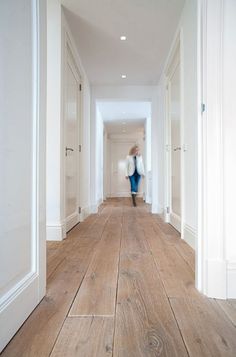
[
  {"x": 59, "y": 38},
  {"x": 133, "y": 93},
  {"x": 72, "y": 131},
  {"x": 148, "y": 25},
  {"x": 186, "y": 34},
  {"x": 229, "y": 143},
  {"x": 216, "y": 246},
  {"x": 22, "y": 188}
]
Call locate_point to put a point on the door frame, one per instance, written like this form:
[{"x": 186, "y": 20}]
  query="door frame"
[
  {"x": 177, "y": 50},
  {"x": 69, "y": 58},
  {"x": 20, "y": 299}
]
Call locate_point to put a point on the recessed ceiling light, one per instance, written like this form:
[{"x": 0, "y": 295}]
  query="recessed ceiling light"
[
  {"x": 124, "y": 131},
  {"x": 123, "y": 76},
  {"x": 124, "y": 122},
  {"x": 123, "y": 38}
]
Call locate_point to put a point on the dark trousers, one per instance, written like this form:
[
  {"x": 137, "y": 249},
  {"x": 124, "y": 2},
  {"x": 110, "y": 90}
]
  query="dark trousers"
[{"x": 134, "y": 182}]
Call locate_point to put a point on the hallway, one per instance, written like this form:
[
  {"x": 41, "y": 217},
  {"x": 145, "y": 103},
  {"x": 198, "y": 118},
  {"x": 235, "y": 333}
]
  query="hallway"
[{"x": 122, "y": 284}]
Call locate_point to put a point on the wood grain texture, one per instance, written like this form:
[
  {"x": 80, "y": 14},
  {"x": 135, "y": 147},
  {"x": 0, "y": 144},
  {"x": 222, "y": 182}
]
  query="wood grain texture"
[
  {"x": 156, "y": 311},
  {"x": 205, "y": 328},
  {"x": 38, "y": 334},
  {"x": 145, "y": 325},
  {"x": 175, "y": 272},
  {"x": 85, "y": 337},
  {"x": 229, "y": 307},
  {"x": 97, "y": 293}
]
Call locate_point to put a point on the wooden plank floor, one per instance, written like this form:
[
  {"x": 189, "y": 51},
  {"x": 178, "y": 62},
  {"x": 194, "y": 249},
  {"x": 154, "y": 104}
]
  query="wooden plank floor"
[{"x": 122, "y": 285}]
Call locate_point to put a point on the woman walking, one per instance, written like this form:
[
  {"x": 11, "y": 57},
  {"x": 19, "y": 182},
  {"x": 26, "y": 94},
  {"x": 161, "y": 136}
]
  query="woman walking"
[{"x": 134, "y": 170}]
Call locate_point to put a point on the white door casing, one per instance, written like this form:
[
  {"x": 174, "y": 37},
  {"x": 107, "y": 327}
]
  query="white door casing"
[
  {"x": 72, "y": 109},
  {"x": 174, "y": 146},
  {"x": 22, "y": 159}
]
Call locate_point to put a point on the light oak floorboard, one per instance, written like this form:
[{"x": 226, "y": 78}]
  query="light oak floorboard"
[
  {"x": 85, "y": 337},
  {"x": 229, "y": 307},
  {"x": 97, "y": 293},
  {"x": 145, "y": 325},
  {"x": 206, "y": 330}
]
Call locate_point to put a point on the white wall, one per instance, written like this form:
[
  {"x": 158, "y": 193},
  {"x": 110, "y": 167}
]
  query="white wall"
[
  {"x": 99, "y": 156},
  {"x": 188, "y": 34},
  {"x": 58, "y": 32},
  {"x": 133, "y": 93},
  {"x": 229, "y": 135},
  {"x": 22, "y": 161}
]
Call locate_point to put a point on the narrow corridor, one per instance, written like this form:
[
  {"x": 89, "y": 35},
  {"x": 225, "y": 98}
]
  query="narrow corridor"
[{"x": 122, "y": 284}]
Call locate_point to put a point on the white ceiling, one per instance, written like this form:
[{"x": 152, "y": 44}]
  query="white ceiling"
[
  {"x": 121, "y": 110},
  {"x": 123, "y": 117},
  {"x": 98, "y": 24},
  {"x": 130, "y": 127}
]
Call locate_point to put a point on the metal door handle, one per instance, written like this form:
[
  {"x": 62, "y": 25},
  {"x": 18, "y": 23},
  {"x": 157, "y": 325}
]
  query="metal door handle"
[
  {"x": 178, "y": 148},
  {"x": 68, "y": 149}
]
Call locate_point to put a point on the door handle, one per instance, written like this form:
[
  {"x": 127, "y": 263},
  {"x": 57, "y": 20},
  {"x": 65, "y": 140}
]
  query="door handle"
[
  {"x": 68, "y": 149},
  {"x": 178, "y": 148}
]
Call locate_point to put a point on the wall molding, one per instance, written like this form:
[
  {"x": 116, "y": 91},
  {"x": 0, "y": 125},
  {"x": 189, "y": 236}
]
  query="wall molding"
[
  {"x": 216, "y": 284},
  {"x": 190, "y": 235},
  {"x": 71, "y": 221},
  {"x": 85, "y": 212},
  {"x": 157, "y": 208},
  {"x": 56, "y": 232},
  {"x": 231, "y": 279}
]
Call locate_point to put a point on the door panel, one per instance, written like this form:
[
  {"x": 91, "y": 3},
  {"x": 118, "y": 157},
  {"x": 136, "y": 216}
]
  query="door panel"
[
  {"x": 175, "y": 155},
  {"x": 22, "y": 180},
  {"x": 72, "y": 113}
]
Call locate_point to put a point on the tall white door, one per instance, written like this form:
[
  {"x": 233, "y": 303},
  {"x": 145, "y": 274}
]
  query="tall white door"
[
  {"x": 175, "y": 148},
  {"x": 72, "y": 116},
  {"x": 120, "y": 187},
  {"x": 22, "y": 162}
]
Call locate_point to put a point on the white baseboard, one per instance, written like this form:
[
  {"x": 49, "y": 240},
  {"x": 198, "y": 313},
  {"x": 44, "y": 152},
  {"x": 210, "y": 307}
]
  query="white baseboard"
[
  {"x": 190, "y": 235},
  {"x": 94, "y": 209},
  {"x": 85, "y": 212},
  {"x": 231, "y": 280},
  {"x": 216, "y": 279},
  {"x": 56, "y": 232},
  {"x": 148, "y": 199},
  {"x": 71, "y": 221},
  {"x": 156, "y": 208},
  {"x": 124, "y": 194}
]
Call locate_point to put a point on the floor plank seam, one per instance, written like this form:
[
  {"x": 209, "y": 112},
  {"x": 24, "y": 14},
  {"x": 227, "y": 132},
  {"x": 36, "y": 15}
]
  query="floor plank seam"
[
  {"x": 117, "y": 284},
  {"x": 169, "y": 299},
  {"x": 227, "y": 316},
  {"x": 181, "y": 256},
  {"x": 162, "y": 283},
  {"x": 69, "y": 308}
]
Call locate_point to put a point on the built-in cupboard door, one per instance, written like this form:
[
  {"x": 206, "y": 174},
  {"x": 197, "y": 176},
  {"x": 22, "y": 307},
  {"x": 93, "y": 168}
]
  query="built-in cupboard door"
[
  {"x": 72, "y": 126},
  {"x": 22, "y": 162},
  {"x": 174, "y": 152}
]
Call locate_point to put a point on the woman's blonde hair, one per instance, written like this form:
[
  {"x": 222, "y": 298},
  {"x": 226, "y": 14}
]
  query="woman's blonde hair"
[{"x": 133, "y": 149}]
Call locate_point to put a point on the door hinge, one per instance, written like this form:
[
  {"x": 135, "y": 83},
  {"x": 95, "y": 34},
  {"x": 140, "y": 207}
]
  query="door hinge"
[
  {"x": 80, "y": 87},
  {"x": 203, "y": 107},
  {"x": 80, "y": 148},
  {"x": 168, "y": 210},
  {"x": 79, "y": 209}
]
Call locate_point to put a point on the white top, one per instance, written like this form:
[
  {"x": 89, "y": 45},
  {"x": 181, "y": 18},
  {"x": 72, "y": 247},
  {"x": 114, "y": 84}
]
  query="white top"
[{"x": 130, "y": 165}]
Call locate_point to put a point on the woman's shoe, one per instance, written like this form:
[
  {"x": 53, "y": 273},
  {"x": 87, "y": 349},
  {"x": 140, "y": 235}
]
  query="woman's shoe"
[{"x": 133, "y": 199}]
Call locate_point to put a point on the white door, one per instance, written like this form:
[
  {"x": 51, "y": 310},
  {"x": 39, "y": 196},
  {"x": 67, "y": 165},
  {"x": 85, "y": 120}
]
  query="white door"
[
  {"x": 22, "y": 162},
  {"x": 120, "y": 186},
  {"x": 175, "y": 147},
  {"x": 72, "y": 116}
]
